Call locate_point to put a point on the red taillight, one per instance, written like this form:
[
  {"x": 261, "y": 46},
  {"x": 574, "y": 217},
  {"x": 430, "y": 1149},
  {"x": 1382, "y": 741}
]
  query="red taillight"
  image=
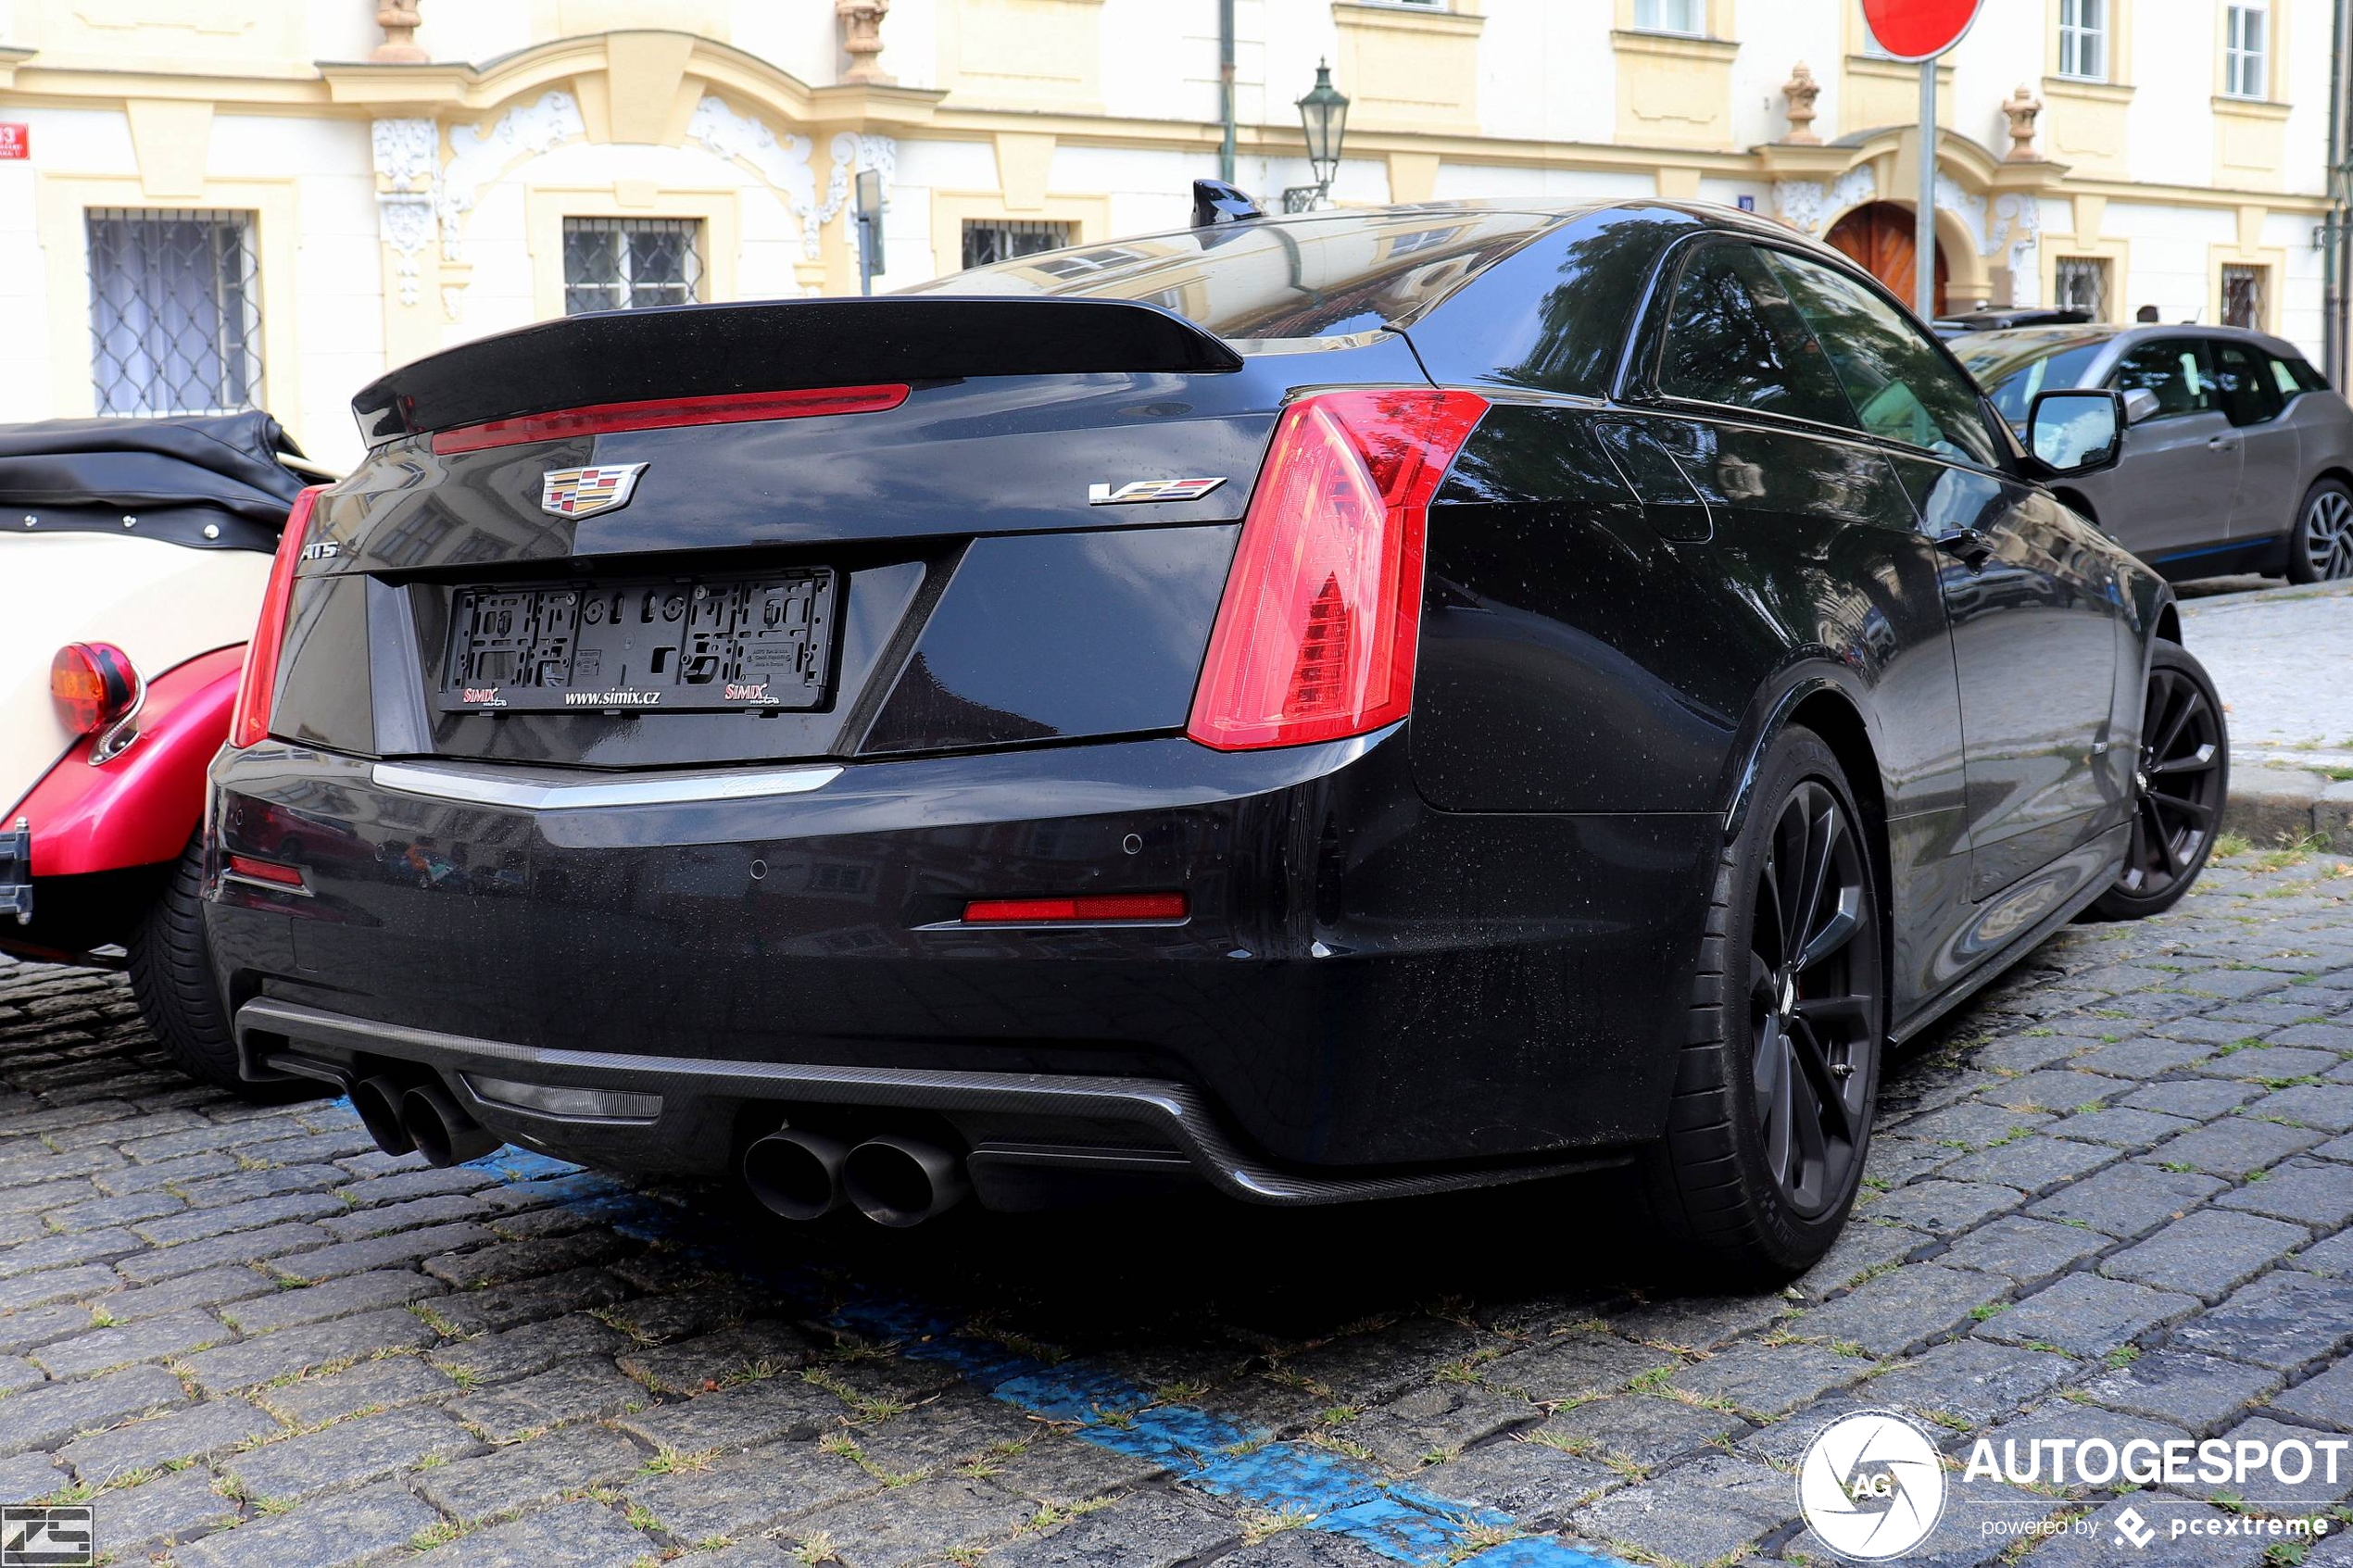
[
  {"x": 92, "y": 685},
  {"x": 1316, "y": 637},
  {"x": 264, "y": 871},
  {"x": 258, "y": 683},
  {"x": 1085, "y": 907},
  {"x": 732, "y": 408}
]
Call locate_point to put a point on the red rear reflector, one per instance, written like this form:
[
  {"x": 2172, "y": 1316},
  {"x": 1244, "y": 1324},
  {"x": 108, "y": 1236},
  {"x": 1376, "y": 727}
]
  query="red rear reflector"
[
  {"x": 1090, "y": 906},
  {"x": 1317, "y": 635},
  {"x": 265, "y": 871},
  {"x": 727, "y": 408},
  {"x": 92, "y": 685},
  {"x": 258, "y": 683}
]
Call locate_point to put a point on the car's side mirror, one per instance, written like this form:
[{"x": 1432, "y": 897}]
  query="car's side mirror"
[
  {"x": 2072, "y": 431},
  {"x": 2139, "y": 403}
]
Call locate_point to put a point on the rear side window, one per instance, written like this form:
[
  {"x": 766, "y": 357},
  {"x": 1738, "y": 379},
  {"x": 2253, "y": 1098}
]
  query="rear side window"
[
  {"x": 1732, "y": 338},
  {"x": 1903, "y": 387},
  {"x": 2176, "y": 370},
  {"x": 2242, "y": 378},
  {"x": 2292, "y": 375}
]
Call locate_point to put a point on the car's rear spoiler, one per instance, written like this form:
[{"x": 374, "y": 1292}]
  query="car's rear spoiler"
[{"x": 709, "y": 350}]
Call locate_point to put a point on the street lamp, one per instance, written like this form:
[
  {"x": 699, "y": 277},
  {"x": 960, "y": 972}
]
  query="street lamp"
[{"x": 1323, "y": 114}]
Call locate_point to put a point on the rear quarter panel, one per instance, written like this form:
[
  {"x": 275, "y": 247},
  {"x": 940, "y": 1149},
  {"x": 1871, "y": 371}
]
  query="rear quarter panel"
[{"x": 162, "y": 603}]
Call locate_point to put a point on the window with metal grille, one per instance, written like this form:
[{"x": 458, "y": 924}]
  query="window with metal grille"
[
  {"x": 2083, "y": 39},
  {"x": 1671, "y": 16},
  {"x": 175, "y": 311},
  {"x": 2246, "y": 60},
  {"x": 2079, "y": 282},
  {"x": 988, "y": 241},
  {"x": 629, "y": 263},
  {"x": 2243, "y": 295}
]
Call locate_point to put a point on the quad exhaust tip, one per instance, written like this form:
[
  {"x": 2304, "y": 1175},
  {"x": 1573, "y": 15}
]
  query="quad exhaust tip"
[
  {"x": 796, "y": 1173},
  {"x": 892, "y": 1180},
  {"x": 377, "y": 1100},
  {"x": 900, "y": 1182},
  {"x": 438, "y": 1129}
]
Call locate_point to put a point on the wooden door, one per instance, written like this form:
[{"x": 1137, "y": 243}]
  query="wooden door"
[{"x": 1878, "y": 238}]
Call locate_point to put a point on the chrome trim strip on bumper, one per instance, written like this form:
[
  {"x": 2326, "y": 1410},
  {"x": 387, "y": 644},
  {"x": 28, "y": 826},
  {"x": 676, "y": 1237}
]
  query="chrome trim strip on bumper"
[{"x": 503, "y": 787}]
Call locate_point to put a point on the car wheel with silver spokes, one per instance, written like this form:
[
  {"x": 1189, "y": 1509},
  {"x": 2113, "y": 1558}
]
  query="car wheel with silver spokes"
[{"x": 2320, "y": 547}]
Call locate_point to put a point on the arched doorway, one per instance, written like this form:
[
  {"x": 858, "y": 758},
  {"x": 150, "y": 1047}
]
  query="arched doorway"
[{"x": 1878, "y": 236}]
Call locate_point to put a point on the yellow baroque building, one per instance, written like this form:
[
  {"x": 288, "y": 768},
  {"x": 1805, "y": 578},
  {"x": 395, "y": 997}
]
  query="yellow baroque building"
[{"x": 208, "y": 204}]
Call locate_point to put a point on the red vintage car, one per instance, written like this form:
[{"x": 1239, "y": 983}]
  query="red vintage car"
[{"x": 133, "y": 554}]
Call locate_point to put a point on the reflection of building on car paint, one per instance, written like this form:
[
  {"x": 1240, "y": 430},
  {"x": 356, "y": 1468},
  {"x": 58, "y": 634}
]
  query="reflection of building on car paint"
[{"x": 135, "y": 557}]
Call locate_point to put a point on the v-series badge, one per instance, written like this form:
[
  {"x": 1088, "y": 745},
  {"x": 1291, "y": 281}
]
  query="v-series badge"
[{"x": 1151, "y": 490}]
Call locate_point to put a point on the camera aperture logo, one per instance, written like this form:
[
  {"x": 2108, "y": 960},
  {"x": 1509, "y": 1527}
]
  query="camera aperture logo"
[{"x": 1872, "y": 1486}]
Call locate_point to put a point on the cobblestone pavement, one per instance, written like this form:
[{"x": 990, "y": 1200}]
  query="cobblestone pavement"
[{"x": 2109, "y": 1200}]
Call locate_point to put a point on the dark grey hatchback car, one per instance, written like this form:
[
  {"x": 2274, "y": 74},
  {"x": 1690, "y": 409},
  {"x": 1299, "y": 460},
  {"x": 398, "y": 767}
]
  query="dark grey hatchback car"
[{"x": 2238, "y": 457}]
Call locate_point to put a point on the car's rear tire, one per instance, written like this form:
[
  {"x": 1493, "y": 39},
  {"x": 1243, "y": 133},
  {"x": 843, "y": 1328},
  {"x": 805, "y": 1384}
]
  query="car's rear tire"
[
  {"x": 171, "y": 977},
  {"x": 2319, "y": 547},
  {"x": 2181, "y": 780},
  {"x": 1775, "y": 1088}
]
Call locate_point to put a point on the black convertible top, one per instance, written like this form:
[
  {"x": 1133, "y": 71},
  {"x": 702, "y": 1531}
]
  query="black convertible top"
[{"x": 175, "y": 478}]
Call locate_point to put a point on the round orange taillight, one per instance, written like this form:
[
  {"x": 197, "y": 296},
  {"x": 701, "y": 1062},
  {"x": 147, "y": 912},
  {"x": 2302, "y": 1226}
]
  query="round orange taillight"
[{"x": 92, "y": 685}]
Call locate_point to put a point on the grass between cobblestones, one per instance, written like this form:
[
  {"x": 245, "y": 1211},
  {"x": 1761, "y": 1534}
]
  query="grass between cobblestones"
[{"x": 2109, "y": 1199}]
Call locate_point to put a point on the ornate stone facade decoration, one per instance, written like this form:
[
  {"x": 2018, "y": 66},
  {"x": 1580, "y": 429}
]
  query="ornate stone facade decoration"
[
  {"x": 881, "y": 154},
  {"x": 783, "y": 162},
  {"x": 2021, "y": 109},
  {"x": 2018, "y": 232},
  {"x": 477, "y": 153},
  {"x": 400, "y": 19},
  {"x": 862, "y": 39},
  {"x": 1808, "y": 206},
  {"x": 1969, "y": 209},
  {"x": 1801, "y": 90},
  {"x": 408, "y": 160}
]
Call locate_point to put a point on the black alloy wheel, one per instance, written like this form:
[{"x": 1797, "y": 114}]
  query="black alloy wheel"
[
  {"x": 1769, "y": 1120},
  {"x": 1814, "y": 998},
  {"x": 2179, "y": 782}
]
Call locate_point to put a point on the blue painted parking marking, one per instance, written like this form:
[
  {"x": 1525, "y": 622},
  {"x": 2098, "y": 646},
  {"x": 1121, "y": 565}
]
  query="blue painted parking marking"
[{"x": 1198, "y": 1447}]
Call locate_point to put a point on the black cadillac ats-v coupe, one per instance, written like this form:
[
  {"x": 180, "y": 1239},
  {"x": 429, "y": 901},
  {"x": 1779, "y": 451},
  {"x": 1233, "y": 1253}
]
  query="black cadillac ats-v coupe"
[{"x": 1333, "y": 707}]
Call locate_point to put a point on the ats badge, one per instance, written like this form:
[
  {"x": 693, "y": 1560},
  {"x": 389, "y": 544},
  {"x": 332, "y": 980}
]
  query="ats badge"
[
  {"x": 583, "y": 492},
  {"x": 46, "y": 1537}
]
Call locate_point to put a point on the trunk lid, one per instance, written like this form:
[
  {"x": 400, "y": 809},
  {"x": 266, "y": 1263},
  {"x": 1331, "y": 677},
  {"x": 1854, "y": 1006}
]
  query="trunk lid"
[{"x": 954, "y": 569}]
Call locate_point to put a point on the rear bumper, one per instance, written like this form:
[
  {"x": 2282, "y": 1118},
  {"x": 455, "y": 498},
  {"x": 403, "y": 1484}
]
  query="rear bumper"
[
  {"x": 1369, "y": 995},
  {"x": 1166, "y": 1128}
]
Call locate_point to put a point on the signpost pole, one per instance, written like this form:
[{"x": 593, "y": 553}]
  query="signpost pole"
[{"x": 1924, "y": 224}]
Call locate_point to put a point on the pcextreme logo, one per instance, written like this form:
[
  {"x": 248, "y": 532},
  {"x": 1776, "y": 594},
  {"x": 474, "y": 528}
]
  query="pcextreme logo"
[{"x": 1872, "y": 1486}]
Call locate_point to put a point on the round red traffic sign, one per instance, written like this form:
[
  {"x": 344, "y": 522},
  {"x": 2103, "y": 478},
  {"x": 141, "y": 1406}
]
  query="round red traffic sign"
[{"x": 1919, "y": 30}]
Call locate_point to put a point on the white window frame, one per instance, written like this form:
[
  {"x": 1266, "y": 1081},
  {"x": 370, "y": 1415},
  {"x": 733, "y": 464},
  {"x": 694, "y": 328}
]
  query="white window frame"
[
  {"x": 2246, "y": 49},
  {"x": 2085, "y": 29},
  {"x": 1678, "y": 19}
]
